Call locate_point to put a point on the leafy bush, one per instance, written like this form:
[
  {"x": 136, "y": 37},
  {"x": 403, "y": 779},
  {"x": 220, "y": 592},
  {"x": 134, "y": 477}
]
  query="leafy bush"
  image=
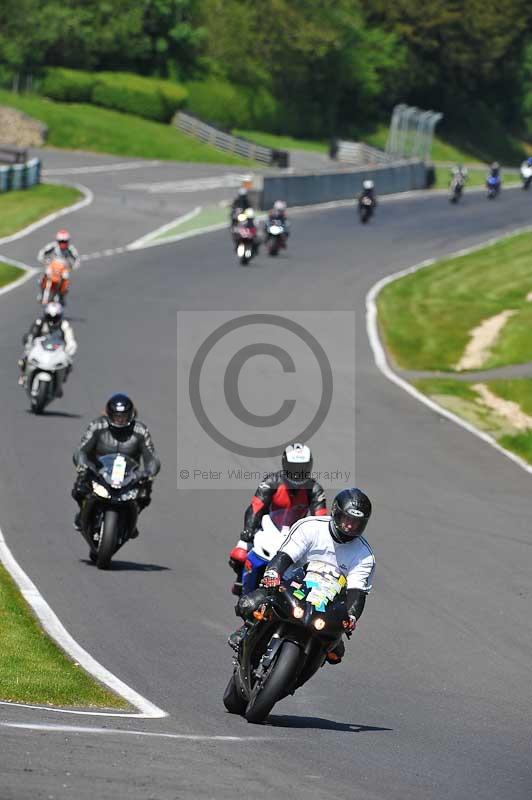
[
  {"x": 122, "y": 91},
  {"x": 229, "y": 106},
  {"x": 219, "y": 102},
  {"x": 68, "y": 85}
]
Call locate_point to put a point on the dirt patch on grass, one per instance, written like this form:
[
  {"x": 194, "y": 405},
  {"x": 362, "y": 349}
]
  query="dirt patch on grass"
[
  {"x": 510, "y": 411},
  {"x": 483, "y": 337}
]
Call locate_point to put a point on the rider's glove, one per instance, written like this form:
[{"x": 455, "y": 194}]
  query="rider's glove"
[
  {"x": 247, "y": 535},
  {"x": 271, "y": 579},
  {"x": 82, "y": 469},
  {"x": 350, "y": 623}
]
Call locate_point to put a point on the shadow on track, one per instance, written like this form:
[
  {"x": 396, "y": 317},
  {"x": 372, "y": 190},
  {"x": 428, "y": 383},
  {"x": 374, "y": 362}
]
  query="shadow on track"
[
  {"x": 130, "y": 566},
  {"x": 64, "y": 414},
  {"x": 278, "y": 721}
]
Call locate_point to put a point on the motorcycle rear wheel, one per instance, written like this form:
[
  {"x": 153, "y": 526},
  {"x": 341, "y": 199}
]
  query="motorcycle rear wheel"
[
  {"x": 276, "y": 685},
  {"x": 108, "y": 541}
]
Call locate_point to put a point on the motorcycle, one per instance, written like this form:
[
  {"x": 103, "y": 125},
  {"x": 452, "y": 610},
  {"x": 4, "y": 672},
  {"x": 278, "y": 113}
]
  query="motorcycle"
[
  {"x": 493, "y": 185},
  {"x": 244, "y": 238},
  {"x": 526, "y": 176},
  {"x": 455, "y": 189},
  {"x": 55, "y": 282},
  {"x": 275, "y": 231},
  {"x": 109, "y": 513},
  {"x": 267, "y": 541},
  {"x": 366, "y": 207},
  {"x": 47, "y": 366},
  {"x": 295, "y": 628}
]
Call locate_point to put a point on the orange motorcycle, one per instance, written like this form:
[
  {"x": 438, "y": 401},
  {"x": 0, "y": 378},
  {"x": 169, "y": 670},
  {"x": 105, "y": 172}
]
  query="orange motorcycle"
[{"x": 55, "y": 282}]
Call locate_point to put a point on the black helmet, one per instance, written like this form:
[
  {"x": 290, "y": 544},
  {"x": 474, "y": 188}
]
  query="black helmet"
[
  {"x": 297, "y": 464},
  {"x": 350, "y": 512},
  {"x": 53, "y": 315},
  {"x": 120, "y": 412}
]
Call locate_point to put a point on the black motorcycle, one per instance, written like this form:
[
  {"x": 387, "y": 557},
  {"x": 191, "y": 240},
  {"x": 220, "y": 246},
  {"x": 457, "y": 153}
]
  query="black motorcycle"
[
  {"x": 366, "y": 207},
  {"x": 109, "y": 513},
  {"x": 296, "y": 626}
]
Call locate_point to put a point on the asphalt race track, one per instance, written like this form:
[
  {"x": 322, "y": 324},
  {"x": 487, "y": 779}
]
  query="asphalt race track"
[{"x": 433, "y": 700}]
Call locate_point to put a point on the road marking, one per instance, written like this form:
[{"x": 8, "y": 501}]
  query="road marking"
[
  {"x": 148, "y": 237},
  {"x": 87, "y": 200},
  {"x": 381, "y": 360},
  {"x": 188, "y": 185},
  {"x": 55, "y": 629},
  {"x": 118, "y": 167},
  {"x": 191, "y": 737}
]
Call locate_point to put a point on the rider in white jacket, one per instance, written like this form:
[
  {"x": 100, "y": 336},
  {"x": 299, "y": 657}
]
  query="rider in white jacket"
[{"x": 51, "y": 321}]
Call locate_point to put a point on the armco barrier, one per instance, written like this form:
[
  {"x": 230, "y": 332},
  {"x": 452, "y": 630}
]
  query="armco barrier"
[
  {"x": 193, "y": 126},
  {"x": 302, "y": 190},
  {"x": 20, "y": 176}
]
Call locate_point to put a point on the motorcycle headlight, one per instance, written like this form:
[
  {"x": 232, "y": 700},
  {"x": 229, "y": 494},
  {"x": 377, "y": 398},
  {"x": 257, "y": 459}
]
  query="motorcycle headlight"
[
  {"x": 130, "y": 495},
  {"x": 319, "y": 624},
  {"x": 100, "y": 490},
  {"x": 298, "y": 612}
]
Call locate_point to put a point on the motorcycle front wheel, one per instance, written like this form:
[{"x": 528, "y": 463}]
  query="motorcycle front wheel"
[
  {"x": 108, "y": 539},
  {"x": 234, "y": 701},
  {"x": 276, "y": 684},
  {"x": 38, "y": 401}
]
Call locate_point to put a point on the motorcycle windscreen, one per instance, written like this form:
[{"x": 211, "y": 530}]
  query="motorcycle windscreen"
[
  {"x": 286, "y": 517},
  {"x": 117, "y": 470}
]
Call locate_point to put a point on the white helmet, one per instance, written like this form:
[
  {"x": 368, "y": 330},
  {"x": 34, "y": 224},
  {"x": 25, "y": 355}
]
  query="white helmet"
[
  {"x": 297, "y": 463},
  {"x": 53, "y": 314},
  {"x": 368, "y": 185},
  {"x": 279, "y": 205}
]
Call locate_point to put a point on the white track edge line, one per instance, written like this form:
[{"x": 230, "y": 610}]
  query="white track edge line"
[
  {"x": 95, "y": 168},
  {"x": 148, "y": 237},
  {"x": 56, "y": 630},
  {"x": 86, "y": 201},
  {"x": 195, "y": 737},
  {"x": 381, "y": 361}
]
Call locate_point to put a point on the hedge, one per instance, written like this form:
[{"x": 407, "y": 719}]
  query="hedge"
[
  {"x": 122, "y": 91},
  {"x": 230, "y": 106}
]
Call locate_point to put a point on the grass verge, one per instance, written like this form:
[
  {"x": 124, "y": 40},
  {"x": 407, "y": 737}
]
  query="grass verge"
[
  {"x": 85, "y": 127},
  {"x": 282, "y": 142},
  {"x": 32, "y": 668},
  {"x": 18, "y": 209},
  {"x": 9, "y": 273},
  {"x": 426, "y": 317},
  {"x": 462, "y": 400}
]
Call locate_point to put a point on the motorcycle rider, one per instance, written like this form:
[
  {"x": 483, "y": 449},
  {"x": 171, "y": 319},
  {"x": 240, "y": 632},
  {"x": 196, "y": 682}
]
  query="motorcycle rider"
[
  {"x": 337, "y": 540},
  {"x": 495, "y": 170},
  {"x": 368, "y": 190},
  {"x": 52, "y": 321},
  {"x": 239, "y": 204},
  {"x": 278, "y": 213},
  {"x": 246, "y": 219},
  {"x": 61, "y": 248},
  {"x": 460, "y": 172},
  {"x": 293, "y": 485},
  {"x": 117, "y": 431}
]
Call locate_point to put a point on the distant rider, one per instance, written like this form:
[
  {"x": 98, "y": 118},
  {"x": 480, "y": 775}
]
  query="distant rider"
[
  {"x": 61, "y": 248},
  {"x": 459, "y": 172},
  {"x": 116, "y": 431},
  {"x": 368, "y": 190},
  {"x": 278, "y": 214},
  {"x": 52, "y": 321},
  {"x": 336, "y": 540},
  {"x": 239, "y": 204},
  {"x": 293, "y": 485}
]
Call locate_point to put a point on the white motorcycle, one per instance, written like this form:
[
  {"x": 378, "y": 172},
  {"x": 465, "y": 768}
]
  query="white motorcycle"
[
  {"x": 47, "y": 366},
  {"x": 526, "y": 175},
  {"x": 268, "y": 539}
]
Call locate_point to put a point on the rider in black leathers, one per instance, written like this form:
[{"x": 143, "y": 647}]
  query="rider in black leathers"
[{"x": 117, "y": 431}]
